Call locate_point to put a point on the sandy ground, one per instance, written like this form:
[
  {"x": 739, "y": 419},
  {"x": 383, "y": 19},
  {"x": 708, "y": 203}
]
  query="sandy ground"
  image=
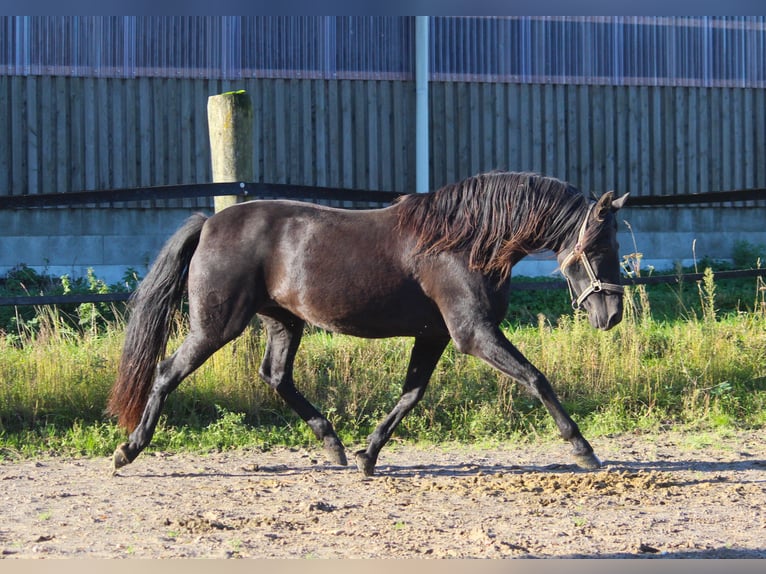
[{"x": 657, "y": 496}]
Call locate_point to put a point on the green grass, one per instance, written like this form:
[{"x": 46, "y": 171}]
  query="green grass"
[{"x": 701, "y": 368}]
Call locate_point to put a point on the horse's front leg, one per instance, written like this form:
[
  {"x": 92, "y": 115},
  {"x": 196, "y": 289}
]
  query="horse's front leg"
[
  {"x": 423, "y": 359},
  {"x": 490, "y": 345}
]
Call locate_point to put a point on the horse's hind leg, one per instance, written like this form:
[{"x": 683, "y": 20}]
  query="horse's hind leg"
[
  {"x": 168, "y": 375},
  {"x": 284, "y": 336},
  {"x": 425, "y": 355}
]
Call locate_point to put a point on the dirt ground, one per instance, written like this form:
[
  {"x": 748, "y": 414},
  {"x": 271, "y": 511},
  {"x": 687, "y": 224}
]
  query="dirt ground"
[{"x": 657, "y": 496}]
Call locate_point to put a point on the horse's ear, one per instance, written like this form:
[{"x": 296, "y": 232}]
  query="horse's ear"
[
  {"x": 607, "y": 203},
  {"x": 604, "y": 205},
  {"x": 619, "y": 203}
]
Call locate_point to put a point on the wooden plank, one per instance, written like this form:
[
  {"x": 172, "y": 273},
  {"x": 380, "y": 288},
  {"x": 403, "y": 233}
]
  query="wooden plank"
[
  {"x": 320, "y": 147},
  {"x": 747, "y": 151},
  {"x": 359, "y": 135},
  {"x": 692, "y": 141},
  {"x": 474, "y": 129},
  {"x": 501, "y": 125},
  {"x": 525, "y": 129},
  {"x": 624, "y": 138},
  {"x": 657, "y": 161},
  {"x": 741, "y": 162},
  {"x": 727, "y": 139},
  {"x": 715, "y": 138},
  {"x": 313, "y": 126},
  {"x": 253, "y": 87},
  {"x": 205, "y": 88},
  {"x": 586, "y": 169},
  {"x": 644, "y": 185},
  {"x": 104, "y": 144},
  {"x": 737, "y": 135},
  {"x": 404, "y": 139},
  {"x": 463, "y": 131},
  {"x": 703, "y": 117},
  {"x": 118, "y": 131},
  {"x": 550, "y": 130},
  {"x": 513, "y": 153},
  {"x": 132, "y": 134},
  {"x": 47, "y": 93},
  {"x": 681, "y": 109},
  {"x": 436, "y": 95},
  {"x": 90, "y": 134},
  {"x": 385, "y": 146},
  {"x": 669, "y": 143},
  {"x": 488, "y": 121},
  {"x": 297, "y": 129},
  {"x": 33, "y": 136},
  {"x": 451, "y": 137},
  {"x": 267, "y": 121},
  {"x": 280, "y": 133},
  {"x": 566, "y": 134},
  {"x": 19, "y": 149},
  {"x": 6, "y": 138},
  {"x": 610, "y": 137},
  {"x": 372, "y": 139},
  {"x": 145, "y": 116},
  {"x": 186, "y": 131},
  {"x": 632, "y": 163},
  {"x": 173, "y": 133},
  {"x": 77, "y": 146},
  {"x": 159, "y": 151},
  {"x": 334, "y": 134},
  {"x": 759, "y": 107},
  {"x": 347, "y": 134},
  {"x": 572, "y": 142}
]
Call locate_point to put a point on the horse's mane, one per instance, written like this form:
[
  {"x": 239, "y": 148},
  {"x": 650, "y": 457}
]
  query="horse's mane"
[{"x": 496, "y": 216}]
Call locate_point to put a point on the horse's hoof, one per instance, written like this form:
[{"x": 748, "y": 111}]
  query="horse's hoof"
[
  {"x": 588, "y": 461},
  {"x": 365, "y": 463},
  {"x": 120, "y": 457},
  {"x": 335, "y": 451}
]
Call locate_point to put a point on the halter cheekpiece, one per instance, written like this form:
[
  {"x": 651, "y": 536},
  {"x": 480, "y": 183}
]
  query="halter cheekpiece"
[{"x": 578, "y": 252}]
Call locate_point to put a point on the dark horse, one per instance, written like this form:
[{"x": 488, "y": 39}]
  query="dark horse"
[{"x": 433, "y": 266}]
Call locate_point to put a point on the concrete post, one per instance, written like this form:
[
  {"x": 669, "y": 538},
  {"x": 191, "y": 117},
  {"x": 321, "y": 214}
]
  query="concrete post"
[
  {"x": 230, "y": 125},
  {"x": 422, "y": 135}
]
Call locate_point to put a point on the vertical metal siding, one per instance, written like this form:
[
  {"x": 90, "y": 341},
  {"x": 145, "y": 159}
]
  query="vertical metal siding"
[
  {"x": 211, "y": 47},
  {"x": 671, "y": 51}
]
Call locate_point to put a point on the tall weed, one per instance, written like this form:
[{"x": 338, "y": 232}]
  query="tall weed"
[{"x": 705, "y": 370}]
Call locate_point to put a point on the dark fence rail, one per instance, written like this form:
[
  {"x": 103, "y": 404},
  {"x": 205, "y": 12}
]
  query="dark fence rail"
[
  {"x": 257, "y": 190},
  {"x": 246, "y": 190}
]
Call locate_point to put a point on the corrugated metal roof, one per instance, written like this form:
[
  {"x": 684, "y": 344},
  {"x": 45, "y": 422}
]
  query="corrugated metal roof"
[{"x": 698, "y": 51}]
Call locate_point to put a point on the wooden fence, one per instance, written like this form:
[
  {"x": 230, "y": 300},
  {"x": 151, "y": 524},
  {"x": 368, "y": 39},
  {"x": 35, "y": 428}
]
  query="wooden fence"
[{"x": 62, "y": 134}]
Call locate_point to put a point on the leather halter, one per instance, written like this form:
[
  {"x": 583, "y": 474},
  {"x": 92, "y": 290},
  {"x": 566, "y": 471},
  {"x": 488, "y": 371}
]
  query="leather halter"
[{"x": 578, "y": 252}]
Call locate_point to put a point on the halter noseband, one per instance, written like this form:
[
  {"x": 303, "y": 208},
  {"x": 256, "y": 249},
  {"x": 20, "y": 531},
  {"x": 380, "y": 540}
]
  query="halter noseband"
[{"x": 578, "y": 252}]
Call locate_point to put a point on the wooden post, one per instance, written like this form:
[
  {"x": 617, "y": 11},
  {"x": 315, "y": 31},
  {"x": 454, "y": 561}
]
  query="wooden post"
[{"x": 230, "y": 124}]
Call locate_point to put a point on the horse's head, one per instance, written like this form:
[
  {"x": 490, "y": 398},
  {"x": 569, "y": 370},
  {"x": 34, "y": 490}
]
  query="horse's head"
[{"x": 590, "y": 261}]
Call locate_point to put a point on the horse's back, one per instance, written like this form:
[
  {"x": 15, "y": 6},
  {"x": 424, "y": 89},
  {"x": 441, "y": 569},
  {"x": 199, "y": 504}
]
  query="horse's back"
[{"x": 348, "y": 271}]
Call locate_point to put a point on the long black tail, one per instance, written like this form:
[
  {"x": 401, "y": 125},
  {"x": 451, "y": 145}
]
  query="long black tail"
[{"x": 151, "y": 309}]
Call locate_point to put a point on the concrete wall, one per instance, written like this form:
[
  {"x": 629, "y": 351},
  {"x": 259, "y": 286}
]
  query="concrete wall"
[{"x": 70, "y": 240}]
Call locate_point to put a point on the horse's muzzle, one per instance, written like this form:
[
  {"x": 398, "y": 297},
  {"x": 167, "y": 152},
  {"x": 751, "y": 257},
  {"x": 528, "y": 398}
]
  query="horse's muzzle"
[{"x": 606, "y": 313}]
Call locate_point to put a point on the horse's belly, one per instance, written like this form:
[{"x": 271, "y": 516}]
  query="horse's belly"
[{"x": 404, "y": 312}]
